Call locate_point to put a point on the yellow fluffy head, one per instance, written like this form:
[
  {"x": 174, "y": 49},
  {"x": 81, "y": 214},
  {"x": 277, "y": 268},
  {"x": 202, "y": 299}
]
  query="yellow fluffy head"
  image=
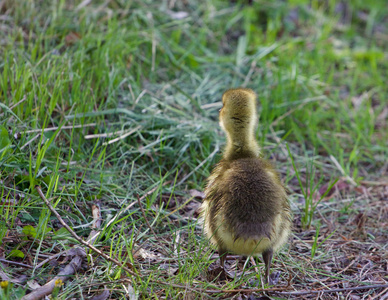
[{"x": 238, "y": 113}]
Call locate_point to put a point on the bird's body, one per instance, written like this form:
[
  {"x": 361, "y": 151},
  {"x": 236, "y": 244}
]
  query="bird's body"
[{"x": 245, "y": 210}]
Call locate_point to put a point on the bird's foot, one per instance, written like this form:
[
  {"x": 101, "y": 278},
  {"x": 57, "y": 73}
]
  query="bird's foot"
[
  {"x": 218, "y": 272},
  {"x": 273, "y": 279}
]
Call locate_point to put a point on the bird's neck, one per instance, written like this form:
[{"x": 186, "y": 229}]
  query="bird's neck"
[{"x": 241, "y": 145}]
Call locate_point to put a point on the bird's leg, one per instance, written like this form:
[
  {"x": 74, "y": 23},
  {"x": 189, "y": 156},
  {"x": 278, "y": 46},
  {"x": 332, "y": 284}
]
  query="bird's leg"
[
  {"x": 267, "y": 257},
  {"x": 222, "y": 253},
  {"x": 223, "y": 275}
]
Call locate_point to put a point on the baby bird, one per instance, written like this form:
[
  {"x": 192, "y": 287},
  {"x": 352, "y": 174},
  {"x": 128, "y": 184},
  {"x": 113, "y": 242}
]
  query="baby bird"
[{"x": 245, "y": 210}]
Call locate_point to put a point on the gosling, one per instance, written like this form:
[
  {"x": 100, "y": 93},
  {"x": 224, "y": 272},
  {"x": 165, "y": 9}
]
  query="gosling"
[{"x": 245, "y": 210}]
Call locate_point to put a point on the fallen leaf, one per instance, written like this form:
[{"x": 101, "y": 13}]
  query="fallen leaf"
[
  {"x": 144, "y": 254},
  {"x": 360, "y": 220},
  {"x": 103, "y": 296},
  {"x": 72, "y": 38},
  {"x": 132, "y": 295},
  {"x": 197, "y": 194},
  {"x": 169, "y": 201},
  {"x": 33, "y": 284},
  {"x": 177, "y": 15},
  {"x": 170, "y": 270}
]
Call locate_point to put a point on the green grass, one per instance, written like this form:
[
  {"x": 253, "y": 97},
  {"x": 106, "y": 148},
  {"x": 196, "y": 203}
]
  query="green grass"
[{"x": 114, "y": 99}]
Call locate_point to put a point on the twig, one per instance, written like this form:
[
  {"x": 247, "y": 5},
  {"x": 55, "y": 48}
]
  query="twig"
[
  {"x": 122, "y": 136},
  {"x": 178, "y": 208},
  {"x": 279, "y": 141},
  {"x": 339, "y": 167},
  {"x": 50, "y": 258},
  {"x": 381, "y": 294},
  {"x": 104, "y": 135},
  {"x": 118, "y": 263},
  {"x": 148, "y": 224},
  {"x": 217, "y": 104},
  {"x": 374, "y": 183},
  {"x": 145, "y": 218},
  {"x": 96, "y": 223},
  {"x": 63, "y": 127},
  {"x": 20, "y": 102},
  {"x": 250, "y": 72},
  {"x": 82, "y": 4},
  {"x": 119, "y": 214},
  {"x": 254, "y": 264},
  {"x": 366, "y": 287},
  {"x": 15, "y": 263},
  {"x": 209, "y": 291},
  {"x": 200, "y": 165},
  {"x": 30, "y": 141},
  {"x": 75, "y": 263},
  {"x": 255, "y": 290},
  {"x": 134, "y": 202},
  {"x": 92, "y": 236},
  {"x": 107, "y": 257},
  {"x": 115, "y": 261},
  {"x": 47, "y": 289},
  {"x": 138, "y": 98},
  {"x": 348, "y": 266},
  {"x": 303, "y": 103}
]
